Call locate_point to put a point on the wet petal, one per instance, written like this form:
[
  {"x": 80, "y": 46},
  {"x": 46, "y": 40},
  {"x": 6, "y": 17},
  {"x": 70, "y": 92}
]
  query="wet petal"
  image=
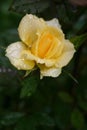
[
  {"x": 50, "y": 72},
  {"x": 29, "y": 56},
  {"x": 68, "y": 52},
  {"x": 54, "y": 23},
  {"x": 55, "y": 49},
  {"x": 13, "y": 52},
  {"x": 29, "y": 27},
  {"x": 49, "y": 43}
]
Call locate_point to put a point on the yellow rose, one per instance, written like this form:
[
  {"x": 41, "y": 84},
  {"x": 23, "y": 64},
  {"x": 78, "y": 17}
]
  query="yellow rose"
[{"x": 42, "y": 44}]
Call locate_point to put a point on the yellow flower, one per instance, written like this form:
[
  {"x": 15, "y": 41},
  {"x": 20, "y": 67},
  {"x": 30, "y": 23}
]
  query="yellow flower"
[{"x": 42, "y": 44}]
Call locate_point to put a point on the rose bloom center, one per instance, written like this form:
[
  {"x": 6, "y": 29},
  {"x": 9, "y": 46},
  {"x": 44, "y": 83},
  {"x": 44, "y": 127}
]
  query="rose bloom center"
[{"x": 43, "y": 45}]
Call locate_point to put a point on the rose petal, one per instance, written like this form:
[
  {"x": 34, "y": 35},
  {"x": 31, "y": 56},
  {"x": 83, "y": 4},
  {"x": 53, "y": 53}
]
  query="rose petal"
[
  {"x": 50, "y": 72},
  {"x": 13, "y": 52},
  {"x": 67, "y": 55},
  {"x": 29, "y": 27},
  {"x": 55, "y": 49},
  {"x": 29, "y": 56},
  {"x": 49, "y": 43},
  {"x": 54, "y": 23}
]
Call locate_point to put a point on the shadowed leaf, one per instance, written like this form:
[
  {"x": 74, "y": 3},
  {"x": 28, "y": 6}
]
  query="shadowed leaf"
[
  {"x": 29, "y": 6},
  {"x": 77, "y": 119},
  {"x": 64, "y": 96},
  {"x": 29, "y": 85},
  {"x": 79, "y": 40}
]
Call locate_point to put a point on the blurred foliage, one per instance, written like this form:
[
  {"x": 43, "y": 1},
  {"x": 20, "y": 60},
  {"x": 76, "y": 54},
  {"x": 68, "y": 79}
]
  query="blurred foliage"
[
  {"x": 78, "y": 40},
  {"x": 51, "y": 103},
  {"x": 32, "y": 6}
]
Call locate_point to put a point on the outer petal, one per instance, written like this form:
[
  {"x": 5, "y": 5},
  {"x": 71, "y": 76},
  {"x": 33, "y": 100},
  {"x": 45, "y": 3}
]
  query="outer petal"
[
  {"x": 50, "y": 72},
  {"x": 67, "y": 54},
  {"x": 13, "y": 52},
  {"x": 29, "y": 27},
  {"x": 29, "y": 56},
  {"x": 54, "y": 23}
]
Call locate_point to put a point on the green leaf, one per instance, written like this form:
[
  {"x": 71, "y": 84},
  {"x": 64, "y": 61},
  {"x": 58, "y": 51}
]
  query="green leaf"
[
  {"x": 26, "y": 123},
  {"x": 80, "y": 23},
  {"x": 79, "y": 40},
  {"x": 37, "y": 119},
  {"x": 29, "y": 6},
  {"x": 11, "y": 118},
  {"x": 44, "y": 119},
  {"x": 77, "y": 119},
  {"x": 64, "y": 96},
  {"x": 29, "y": 85},
  {"x": 29, "y": 71},
  {"x": 71, "y": 76},
  {"x": 62, "y": 114},
  {"x": 82, "y": 103}
]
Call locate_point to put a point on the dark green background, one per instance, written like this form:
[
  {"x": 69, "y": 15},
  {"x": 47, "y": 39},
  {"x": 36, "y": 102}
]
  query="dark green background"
[{"x": 51, "y": 103}]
